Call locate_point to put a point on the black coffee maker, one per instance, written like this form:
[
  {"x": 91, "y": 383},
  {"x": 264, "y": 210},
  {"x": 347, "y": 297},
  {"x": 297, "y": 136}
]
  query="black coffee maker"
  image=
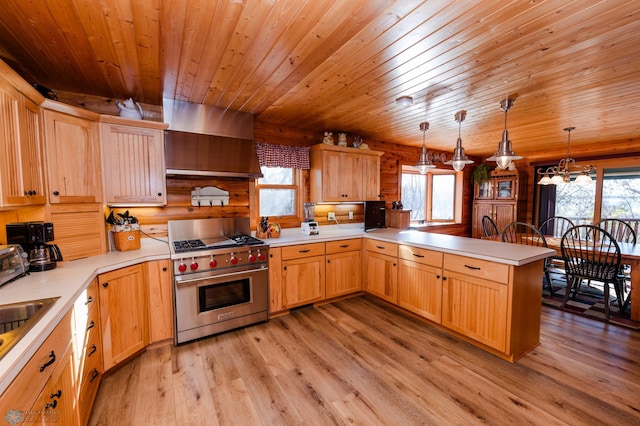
[{"x": 33, "y": 237}]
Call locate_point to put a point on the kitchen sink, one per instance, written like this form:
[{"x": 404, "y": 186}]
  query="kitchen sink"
[{"x": 16, "y": 319}]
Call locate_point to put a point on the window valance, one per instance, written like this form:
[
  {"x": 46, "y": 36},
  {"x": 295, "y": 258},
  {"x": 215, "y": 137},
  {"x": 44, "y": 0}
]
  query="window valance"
[{"x": 295, "y": 157}]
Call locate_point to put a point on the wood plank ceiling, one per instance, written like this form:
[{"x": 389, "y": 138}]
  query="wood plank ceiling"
[{"x": 340, "y": 64}]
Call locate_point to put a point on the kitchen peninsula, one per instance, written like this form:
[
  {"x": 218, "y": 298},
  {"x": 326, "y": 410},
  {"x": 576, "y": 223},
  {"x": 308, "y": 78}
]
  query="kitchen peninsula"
[{"x": 503, "y": 285}]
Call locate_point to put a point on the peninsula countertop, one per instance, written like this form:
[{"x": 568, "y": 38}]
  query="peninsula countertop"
[{"x": 70, "y": 278}]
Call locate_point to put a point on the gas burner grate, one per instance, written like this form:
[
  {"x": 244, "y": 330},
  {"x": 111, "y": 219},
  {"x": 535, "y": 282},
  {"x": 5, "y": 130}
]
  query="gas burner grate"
[{"x": 188, "y": 245}]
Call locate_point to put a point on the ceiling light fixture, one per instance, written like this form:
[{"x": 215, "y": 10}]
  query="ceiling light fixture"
[
  {"x": 459, "y": 159},
  {"x": 404, "y": 101},
  {"x": 424, "y": 164},
  {"x": 504, "y": 155},
  {"x": 561, "y": 173}
]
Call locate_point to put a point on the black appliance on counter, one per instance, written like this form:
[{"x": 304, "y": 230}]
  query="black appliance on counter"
[
  {"x": 374, "y": 215},
  {"x": 33, "y": 237}
]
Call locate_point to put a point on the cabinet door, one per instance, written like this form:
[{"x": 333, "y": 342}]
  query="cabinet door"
[
  {"x": 160, "y": 291},
  {"x": 275, "y": 280},
  {"x": 370, "y": 177},
  {"x": 134, "y": 168},
  {"x": 420, "y": 289},
  {"x": 483, "y": 191},
  {"x": 480, "y": 210},
  {"x": 381, "y": 276},
  {"x": 31, "y": 152},
  {"x": 504, "y": 214},
  {"x": 341, "y": 176},
  {"x": 505, "y": 188},
  {"x": 303, "y": 280},
  {"x": 73, "y": 159},
  {"x": 476, "y": 308},
  {"x": 10, "y": 174},
  {"x": 343, "y": 273},
  {"x": 123, "y": 315}
]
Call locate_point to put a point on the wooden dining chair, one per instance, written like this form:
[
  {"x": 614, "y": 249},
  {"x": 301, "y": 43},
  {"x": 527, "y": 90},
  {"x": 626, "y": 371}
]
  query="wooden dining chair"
[
  {"x": 555, "y": 226},
  {"x": 527, "y": 234},
  {"x": 591, "y": 253},
  {"x": 620, "y": 230},
  {"x": 489, "y": 227}
]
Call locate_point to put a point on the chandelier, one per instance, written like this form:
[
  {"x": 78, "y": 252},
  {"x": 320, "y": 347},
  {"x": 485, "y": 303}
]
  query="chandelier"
[
  {"x": 424, "y": 164},
  {"x": 562, "y": 172},
  {"x": 459, "y": 159},
  {"x": 504, "y": 155}
]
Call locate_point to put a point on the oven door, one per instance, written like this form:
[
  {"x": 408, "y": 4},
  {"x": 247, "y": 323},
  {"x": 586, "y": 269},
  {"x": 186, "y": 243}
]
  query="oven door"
[{"x": 208, "y": 304}]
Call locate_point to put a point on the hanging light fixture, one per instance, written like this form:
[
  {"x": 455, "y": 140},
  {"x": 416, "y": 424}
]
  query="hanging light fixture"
[
  {"x": 423, "y": 163},
  {"x": 504, "y": 155},
  {"x": 561, "y": 173},
  {"x": 459, "y": 159}
]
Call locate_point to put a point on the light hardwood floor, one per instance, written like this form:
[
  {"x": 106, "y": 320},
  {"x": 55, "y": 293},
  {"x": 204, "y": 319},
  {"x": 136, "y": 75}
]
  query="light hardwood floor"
[{"x": 360, "y": 361}]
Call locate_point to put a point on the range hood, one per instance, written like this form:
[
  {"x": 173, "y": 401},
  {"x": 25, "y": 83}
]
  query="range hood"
[{"x": 206, "y": 141}]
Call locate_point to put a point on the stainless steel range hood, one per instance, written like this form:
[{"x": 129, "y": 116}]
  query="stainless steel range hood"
[{"x": 207, "y": 141}]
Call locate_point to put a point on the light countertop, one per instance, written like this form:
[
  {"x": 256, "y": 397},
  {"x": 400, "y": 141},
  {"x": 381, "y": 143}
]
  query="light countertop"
[{"x": 70, "y": 278}]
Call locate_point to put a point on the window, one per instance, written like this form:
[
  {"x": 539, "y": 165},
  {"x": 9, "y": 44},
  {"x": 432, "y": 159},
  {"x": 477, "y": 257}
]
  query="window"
[
  {"x": 621, "y": 194},
  {"x": 277, "y": 191},
  {"x": 434, "y": 197}
]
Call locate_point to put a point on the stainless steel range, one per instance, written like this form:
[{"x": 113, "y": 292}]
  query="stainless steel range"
[{"x": 220, "y": 276}]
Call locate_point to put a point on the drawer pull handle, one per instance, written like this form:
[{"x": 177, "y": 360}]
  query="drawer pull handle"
[
  {"x": 304, "y": 251},
  {"x": 52, "y": 359},
  {"x": 93, "y": 349},
  {"x": 418, "y": 255},
  {"x": 94, "y": 375},
  {"x": 52, "y": 404},
  {"x": 89, "y": 300},
  {"x": 475, "y": 268},
  {"x": 91, "y": 325},
  {"x": 380, "y": 247},
  {"x": 56, "y": 395},
  {"x": 344, "y": 246}
]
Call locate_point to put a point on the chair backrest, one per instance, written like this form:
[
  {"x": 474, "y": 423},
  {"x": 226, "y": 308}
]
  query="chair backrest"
[
  {"x": 523, "y": 233},
  {"x": 489, "y": 227},
  {"x": 620, "y": 230},
  {"x": 590, "y": 252},
  {"x": 555, "y": 226}
]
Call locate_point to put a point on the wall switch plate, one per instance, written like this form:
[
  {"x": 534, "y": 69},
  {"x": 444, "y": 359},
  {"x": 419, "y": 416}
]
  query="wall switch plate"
[
  {"x": 331, "y": 216},
  {"x": 350, "y": 215}
]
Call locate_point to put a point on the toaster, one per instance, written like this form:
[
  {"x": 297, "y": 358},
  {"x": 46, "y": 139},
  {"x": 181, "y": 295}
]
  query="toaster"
[{"x": 13, "y": 263}]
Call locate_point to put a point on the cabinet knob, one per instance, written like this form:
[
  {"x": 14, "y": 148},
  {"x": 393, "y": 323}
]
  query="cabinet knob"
[
  {"x": 56, "y": 193},
  {"x": 164, "y": 269},
  {"x": 89, "y": 300},
  {"x": 438, "y": 276},
  {"x": 105, "y": 285},
  {"x": 56, "y": 395},
  {"x": 52, "y": 404},
  {"x": 159, "y": 194}
]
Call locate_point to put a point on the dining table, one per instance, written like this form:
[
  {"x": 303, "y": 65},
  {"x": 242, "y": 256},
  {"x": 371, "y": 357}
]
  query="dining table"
[{"x": 630, "y": 255}]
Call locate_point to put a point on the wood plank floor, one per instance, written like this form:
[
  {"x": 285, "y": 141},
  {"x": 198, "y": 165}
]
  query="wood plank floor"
[{"x": 360, "y": 361}]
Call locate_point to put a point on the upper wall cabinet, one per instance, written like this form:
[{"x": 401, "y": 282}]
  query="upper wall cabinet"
[
  {"x": 72, "y": 153},
  {"x": 344, "y": 174},
  {"x": 21, "y": 171},
  {"x": 133, "y": 160}
]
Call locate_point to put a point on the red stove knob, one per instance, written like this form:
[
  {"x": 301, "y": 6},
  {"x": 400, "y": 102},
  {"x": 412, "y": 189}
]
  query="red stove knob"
[
  {"x": 252, "y": 258},
  {"x": 213, "y": 263},
  {"x": 234, "y": 259},
  {"x": 260, "y": 256},
  {"x": 182, "y": 267},
  {"x": 194, "y": 265}
]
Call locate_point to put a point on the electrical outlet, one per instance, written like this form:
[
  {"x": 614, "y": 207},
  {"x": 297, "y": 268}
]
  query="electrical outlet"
[
  {"x": 331, "y": 216},
  {"x": 350, "y": 215}
]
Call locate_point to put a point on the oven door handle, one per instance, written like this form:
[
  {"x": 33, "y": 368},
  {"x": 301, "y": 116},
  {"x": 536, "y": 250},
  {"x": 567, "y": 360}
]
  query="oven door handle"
[{"x": 180, "y": 280}]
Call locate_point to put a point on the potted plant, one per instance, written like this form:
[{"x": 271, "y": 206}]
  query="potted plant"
[{"x": 481, "y": 174}]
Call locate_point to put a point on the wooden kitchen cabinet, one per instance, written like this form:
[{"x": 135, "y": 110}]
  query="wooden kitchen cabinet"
[
  {"x": 381, "y": 270},
  {"x": 343, "y": 268},
  {"x": 303, "y": 274},
  {"x": 133, "y": 161},
  {"x": 420, "y": 281},
  {"x": 123, "y": 314},
  {"x": 500, "y": 198},
  {"x": 21, "y": 162},
  {"x": 47, "y": 363},
  {"x": 160, "y": 291},
  {"x": 275, "y": 280},
  {"x": 341, "y": 174},
  {"x": 72, "y": 153}
]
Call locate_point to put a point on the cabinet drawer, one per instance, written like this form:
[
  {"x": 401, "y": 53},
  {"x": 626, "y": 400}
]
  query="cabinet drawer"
[
  {"x": 343, "y": 246},
  {"x": 477, "y": 268},
  {"x": 420, "y": 255},
  {"x": 23, "y": 391},
  {"x": 382, "y": 247},
  {"x": 303, "y": 250}
]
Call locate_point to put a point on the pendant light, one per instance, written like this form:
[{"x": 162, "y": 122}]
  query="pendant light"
[
  {"x": 423, "y": 163},
  {"x": 561, "y": 173},
  {"x": 459, "y": 159},
  {"x": 504, "y": 155}
]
